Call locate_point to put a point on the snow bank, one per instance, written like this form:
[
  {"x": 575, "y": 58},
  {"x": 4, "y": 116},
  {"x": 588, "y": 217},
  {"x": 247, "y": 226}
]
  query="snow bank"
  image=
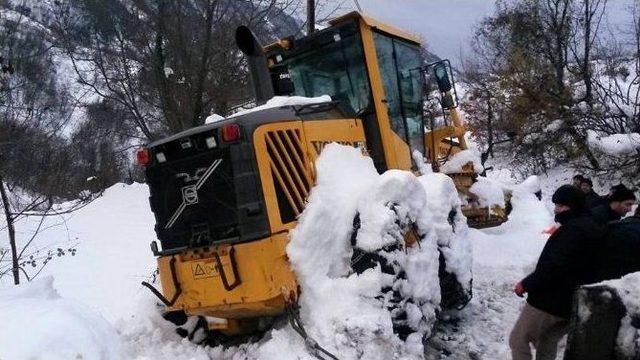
[
  {"x": 616, "y": 144},
  {"x": 343, "y": 310},
  {"x": 38, "y": 324},
  {"x": 340, "y": 311},
  {"x": 520, "y": 239},
  {"x": 111, "y": 236},
  {"x": 457, "y": 161}
]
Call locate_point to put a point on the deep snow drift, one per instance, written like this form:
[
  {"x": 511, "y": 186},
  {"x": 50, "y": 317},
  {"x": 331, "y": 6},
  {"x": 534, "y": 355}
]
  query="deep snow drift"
[
  {"x": 114, "y": 317},
  {"x": 356, "y": 324}
]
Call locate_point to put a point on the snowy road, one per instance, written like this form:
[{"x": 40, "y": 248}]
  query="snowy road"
[{"x": 481, "y": 330}]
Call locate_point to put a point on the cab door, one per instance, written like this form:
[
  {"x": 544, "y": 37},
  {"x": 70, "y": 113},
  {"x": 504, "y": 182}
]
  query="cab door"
[{"x": 399, "y": 64}]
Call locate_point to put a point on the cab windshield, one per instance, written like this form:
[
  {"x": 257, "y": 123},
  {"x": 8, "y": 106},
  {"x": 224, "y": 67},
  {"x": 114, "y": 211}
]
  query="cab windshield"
[{"x": 336, "y": 69}]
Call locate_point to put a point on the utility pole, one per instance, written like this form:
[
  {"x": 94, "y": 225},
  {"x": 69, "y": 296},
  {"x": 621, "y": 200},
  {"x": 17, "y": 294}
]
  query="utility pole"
[{"x": 311, "y": 16}]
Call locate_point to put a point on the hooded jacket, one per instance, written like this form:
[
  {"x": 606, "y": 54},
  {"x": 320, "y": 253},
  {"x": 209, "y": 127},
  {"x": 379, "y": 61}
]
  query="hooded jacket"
[{"x": 566, "y": 262}]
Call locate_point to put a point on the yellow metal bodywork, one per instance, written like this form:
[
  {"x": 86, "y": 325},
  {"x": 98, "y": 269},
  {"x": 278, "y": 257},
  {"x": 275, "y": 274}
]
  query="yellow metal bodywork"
[
  {"x": 314, "y": 135},
  {"x": 266, "y": 280}
]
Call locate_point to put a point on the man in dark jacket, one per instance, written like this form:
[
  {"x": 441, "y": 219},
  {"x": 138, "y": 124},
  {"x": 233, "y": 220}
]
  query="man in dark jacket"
[
  {"x": 621, "y": 249},
  {"x": 564, "y": 264},
  {"x": 591, "y": 198},
  {"x": 619, "y": 203}
]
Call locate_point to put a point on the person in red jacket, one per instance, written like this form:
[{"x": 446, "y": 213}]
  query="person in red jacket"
[{"x": 564, "y": 264}]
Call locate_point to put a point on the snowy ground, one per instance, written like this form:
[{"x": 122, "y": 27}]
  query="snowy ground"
[{"x": 92, "y": 305}]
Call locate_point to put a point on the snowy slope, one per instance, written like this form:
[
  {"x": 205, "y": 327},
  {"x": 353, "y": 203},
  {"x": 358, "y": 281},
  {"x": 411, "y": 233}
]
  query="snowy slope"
[{"x": 97, "y": 292}]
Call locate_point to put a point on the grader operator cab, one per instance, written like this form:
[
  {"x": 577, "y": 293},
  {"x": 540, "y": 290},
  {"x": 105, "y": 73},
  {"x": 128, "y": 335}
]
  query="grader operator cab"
[{"x": 225, "y": 195}]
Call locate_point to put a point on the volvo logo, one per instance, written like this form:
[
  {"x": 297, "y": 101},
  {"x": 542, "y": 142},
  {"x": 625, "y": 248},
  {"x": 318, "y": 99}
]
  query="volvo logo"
[
  {"x": 190, "y": 192},
  {"x": 190, "y": 195}
]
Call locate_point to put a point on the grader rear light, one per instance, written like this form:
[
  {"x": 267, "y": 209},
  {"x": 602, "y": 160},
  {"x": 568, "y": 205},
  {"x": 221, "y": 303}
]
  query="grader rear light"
[
  {"x": 143, "y": 156},
  {"x": 231, "y": 133}
]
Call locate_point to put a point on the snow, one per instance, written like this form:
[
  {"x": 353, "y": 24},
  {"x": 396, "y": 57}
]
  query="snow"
[
  {"x": 356, "y": 324},
  {"x": 488, "y": 192},
  {"x": 462, "y": 158},
  {"x": 51, "y": 327},
  {"x": 628, "y": 288},
  {"x": 213, "y": 118},
  {"x": 616, "y": 144},
  {"x": 456, "y": 247},
  {"x": 101, "y": 283},
  {"x": 279, "y": 101},
  {"x": 520, "y": 239}
]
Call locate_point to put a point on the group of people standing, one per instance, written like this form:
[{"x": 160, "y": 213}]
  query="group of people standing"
[{"x": 593, "y": 243}]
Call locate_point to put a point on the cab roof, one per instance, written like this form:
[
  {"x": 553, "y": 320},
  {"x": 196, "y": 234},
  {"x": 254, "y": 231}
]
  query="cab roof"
[
  {"x": 376, "y": 24},
  {"x": 371, "y": 22}
]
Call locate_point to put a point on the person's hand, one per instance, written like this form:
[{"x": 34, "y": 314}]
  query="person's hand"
[{"x": 519, "y": 289}]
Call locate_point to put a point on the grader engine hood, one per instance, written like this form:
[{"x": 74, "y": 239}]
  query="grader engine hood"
[{"x": 204, "y": 189}]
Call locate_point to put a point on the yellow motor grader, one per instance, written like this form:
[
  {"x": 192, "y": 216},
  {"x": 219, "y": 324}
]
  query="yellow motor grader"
[{"x": 226, "y": 194}]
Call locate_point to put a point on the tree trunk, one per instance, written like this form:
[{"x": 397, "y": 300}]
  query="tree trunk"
[
  {"x": 12, "y": 233},
  {"x": 490, "y": 126},
  {"x": 196, "y": 117}
]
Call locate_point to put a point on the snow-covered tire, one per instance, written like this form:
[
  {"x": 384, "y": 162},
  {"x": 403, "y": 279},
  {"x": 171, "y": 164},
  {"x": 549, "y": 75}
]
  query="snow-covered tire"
[{"x": 386, "y": 258}]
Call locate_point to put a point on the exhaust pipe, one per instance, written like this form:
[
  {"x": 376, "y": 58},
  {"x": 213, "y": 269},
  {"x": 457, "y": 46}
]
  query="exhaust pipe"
[{"x": 260, "y": 76}]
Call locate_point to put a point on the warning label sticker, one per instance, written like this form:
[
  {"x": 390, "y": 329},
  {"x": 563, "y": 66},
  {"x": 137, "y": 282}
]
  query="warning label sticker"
[{"x": 204, "y": 269}]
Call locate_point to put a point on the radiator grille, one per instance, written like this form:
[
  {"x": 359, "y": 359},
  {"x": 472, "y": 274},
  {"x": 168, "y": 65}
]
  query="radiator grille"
[{"x": 287, "y": 161}]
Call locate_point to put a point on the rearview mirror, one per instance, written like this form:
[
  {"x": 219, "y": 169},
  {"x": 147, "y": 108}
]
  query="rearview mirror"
[{"x": 442, "y": 77}]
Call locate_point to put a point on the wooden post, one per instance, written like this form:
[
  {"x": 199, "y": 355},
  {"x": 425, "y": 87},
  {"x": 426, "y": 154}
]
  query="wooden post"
[{"x": 311, "y": 16}]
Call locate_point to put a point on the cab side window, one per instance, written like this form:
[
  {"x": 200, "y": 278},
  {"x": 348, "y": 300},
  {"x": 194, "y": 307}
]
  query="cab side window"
[
  {"x": 409, "y": 62},
  {"x": 386, "y": 62},
  {"x": 402, "y": 80}
]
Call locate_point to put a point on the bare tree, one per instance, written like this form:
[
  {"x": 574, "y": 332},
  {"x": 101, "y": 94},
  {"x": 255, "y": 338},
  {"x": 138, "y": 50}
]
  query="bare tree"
[
  {"x": 529, "y": 47},
  {"x": 169, "y": 64}
]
